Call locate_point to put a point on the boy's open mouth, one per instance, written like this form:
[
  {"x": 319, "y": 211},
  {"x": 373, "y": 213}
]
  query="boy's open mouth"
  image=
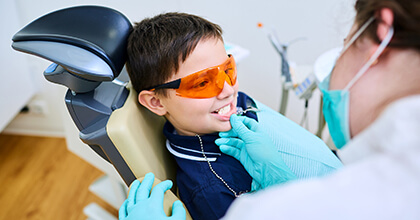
[{"x": 224, "y": 111}]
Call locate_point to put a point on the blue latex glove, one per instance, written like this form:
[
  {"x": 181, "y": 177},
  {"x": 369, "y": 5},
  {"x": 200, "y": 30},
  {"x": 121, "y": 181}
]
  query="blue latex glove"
[
  {"x": 255, "y": 151},
  {"x": 141, "y": 204}
]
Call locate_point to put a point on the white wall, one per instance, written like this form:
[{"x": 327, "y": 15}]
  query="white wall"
[
  {"x": 324, "y": 24},
  {"x": 14, "y": 72}
]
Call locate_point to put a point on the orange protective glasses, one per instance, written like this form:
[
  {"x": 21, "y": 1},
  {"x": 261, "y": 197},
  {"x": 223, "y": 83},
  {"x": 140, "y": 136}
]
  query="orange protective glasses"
[{"x": 205, "y": 83}]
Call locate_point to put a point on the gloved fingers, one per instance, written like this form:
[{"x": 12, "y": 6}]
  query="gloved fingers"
[
  {"x": 250, "y": 123},
  {"x": 231, "y": 151},
  {"x": 239, "y": 127},
  {"x": 159, "y": 190},
  {"x": 122, "y": 213},
  {"x": 230, "y": 133},
  {"x": 234, "y": 142},
  {"x": 131, "y": 199},
  {"x": 178, "y": 211},
  {"x": 146, "y": 185}
]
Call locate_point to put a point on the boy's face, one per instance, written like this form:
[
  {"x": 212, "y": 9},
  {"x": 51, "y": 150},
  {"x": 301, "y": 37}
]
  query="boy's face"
[{"x": 192, "y": 116}]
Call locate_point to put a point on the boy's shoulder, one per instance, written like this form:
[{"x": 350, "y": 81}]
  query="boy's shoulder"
[
  {"x": 242, "y": 94},
  {"x": 246, "y": 102}
]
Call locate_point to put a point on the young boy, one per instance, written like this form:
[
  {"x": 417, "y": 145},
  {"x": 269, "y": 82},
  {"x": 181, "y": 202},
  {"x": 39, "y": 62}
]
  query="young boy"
[
  {"x": 176, "y": 46},
  {"x": 178, "y": 64}
]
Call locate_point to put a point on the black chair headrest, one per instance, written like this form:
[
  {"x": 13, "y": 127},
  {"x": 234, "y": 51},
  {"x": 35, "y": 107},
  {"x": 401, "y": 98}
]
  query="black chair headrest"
[{"x": 88, "y": 41}]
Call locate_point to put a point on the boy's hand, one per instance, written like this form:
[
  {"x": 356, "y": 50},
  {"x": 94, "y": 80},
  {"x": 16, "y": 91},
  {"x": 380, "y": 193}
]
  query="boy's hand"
[
  {"x": 141, "y": 204},
  {"x": 255, "y": 151}
]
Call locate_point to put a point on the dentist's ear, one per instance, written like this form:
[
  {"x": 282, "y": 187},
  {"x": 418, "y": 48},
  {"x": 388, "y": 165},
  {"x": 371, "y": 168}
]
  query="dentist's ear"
[
  {"x": 386, "y": 16},
  {"x": 152, "y": 102}
]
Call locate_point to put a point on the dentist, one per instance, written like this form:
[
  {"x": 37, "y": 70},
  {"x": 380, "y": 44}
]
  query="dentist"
[{"x": 372, "y": 108}]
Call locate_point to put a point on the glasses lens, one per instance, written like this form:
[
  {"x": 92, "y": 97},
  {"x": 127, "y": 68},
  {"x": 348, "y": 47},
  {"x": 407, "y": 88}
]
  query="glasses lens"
[
  {"x": 199, "y": 85},
  {"x": 208, "y": 83}
]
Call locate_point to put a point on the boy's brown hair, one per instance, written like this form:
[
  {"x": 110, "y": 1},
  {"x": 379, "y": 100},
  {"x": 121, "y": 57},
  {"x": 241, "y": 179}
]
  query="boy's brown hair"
[{"x": 158, "y": 45}]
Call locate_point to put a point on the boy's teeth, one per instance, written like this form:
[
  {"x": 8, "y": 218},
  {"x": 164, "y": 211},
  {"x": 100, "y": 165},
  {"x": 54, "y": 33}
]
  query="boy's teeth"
[{"x": 224, "y": 110}]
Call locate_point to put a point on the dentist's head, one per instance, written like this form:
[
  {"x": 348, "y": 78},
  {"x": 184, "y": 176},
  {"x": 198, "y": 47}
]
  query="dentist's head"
[{"x": 380, "y": 63}]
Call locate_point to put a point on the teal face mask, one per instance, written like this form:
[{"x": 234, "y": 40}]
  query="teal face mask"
[
  {"x": 336, "y": 113},
  {"x": 336, "y": 102}
]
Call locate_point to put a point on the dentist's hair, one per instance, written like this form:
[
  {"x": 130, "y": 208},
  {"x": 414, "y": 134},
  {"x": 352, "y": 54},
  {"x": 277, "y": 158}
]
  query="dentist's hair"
[
  {"x": 406, "y": 20},
  {"x": 158, "y": 45}
]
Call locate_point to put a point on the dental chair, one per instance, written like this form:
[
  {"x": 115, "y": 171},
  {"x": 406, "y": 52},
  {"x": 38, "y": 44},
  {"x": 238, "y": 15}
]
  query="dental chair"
[{"x": 87, "y": 45}]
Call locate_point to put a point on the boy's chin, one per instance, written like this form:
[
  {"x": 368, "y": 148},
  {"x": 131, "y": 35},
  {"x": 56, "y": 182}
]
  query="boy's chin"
[{"x": 226, "y": 128}]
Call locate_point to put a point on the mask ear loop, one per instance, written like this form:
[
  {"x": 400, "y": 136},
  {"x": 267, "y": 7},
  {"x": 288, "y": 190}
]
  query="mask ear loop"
[
  {"x": 352, "y": 40},
  {"x": 372, "y": 59},
  {"x": 357, "y": 34}
]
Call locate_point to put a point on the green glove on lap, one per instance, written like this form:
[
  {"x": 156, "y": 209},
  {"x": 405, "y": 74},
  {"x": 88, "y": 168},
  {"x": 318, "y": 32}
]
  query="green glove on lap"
[{"x": 141, "y": 204}]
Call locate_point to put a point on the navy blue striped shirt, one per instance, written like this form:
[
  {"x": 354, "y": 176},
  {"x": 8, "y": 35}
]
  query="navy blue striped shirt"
[{"x": 204, "y": 195}]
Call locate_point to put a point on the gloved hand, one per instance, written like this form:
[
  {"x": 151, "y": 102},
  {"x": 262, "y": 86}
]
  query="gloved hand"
[
  {"x": 255, "y": 151},
  {"x": 141, "y": 204}
]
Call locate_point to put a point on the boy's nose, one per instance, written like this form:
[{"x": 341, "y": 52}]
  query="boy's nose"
[{"x": 227, "y": 91}]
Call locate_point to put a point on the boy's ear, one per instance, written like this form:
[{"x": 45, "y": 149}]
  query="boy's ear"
[{"x": 152, "y": 102}]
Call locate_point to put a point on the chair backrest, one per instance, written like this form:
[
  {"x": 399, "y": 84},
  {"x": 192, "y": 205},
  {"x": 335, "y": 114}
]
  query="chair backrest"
[{"x": 137, "y": 135}]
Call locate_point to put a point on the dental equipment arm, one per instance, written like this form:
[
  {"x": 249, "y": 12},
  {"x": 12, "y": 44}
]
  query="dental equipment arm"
[
  {"x": 286, "y": 77},
  {"x": 256, "y": 152}
]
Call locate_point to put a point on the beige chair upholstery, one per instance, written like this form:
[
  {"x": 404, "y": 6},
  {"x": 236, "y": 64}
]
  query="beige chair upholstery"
[{"x": 137, "y": 134}]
